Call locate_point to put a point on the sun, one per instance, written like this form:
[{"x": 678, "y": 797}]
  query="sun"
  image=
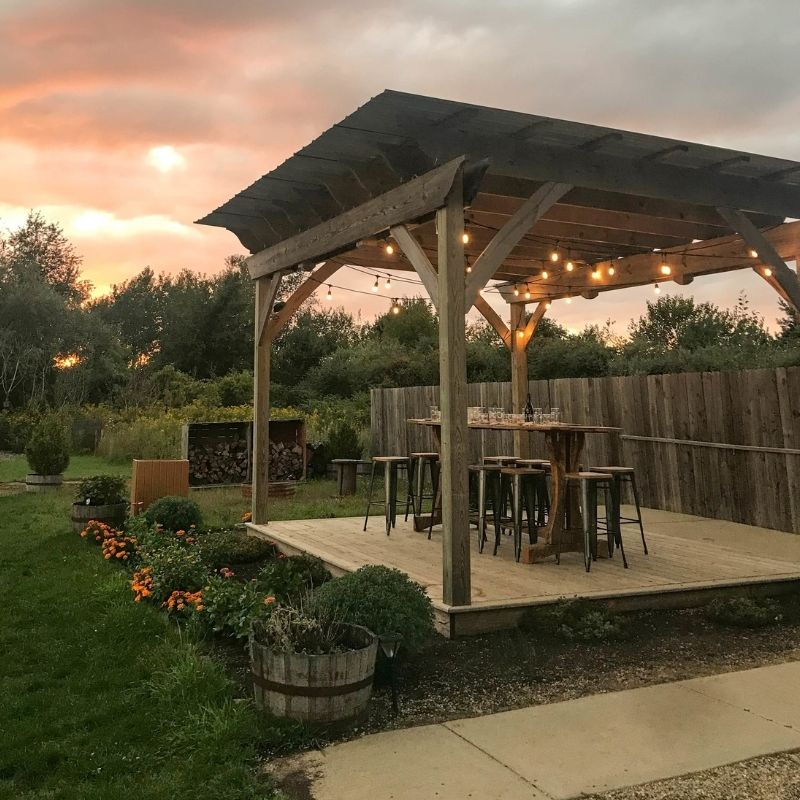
[{"x": 165, "y": 158}]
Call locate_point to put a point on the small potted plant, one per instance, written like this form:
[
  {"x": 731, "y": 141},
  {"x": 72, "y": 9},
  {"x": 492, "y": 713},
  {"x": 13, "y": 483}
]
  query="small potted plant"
[
  {"x": 311, "y": 667},
  {"x": 101, "y": 498},
  {"x": 48, "y": 455}
]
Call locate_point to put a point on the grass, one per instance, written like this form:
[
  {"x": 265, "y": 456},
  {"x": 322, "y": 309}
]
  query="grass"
[
  {"x": 15, "y": 468},
  {"x": 101, "y": 698}
]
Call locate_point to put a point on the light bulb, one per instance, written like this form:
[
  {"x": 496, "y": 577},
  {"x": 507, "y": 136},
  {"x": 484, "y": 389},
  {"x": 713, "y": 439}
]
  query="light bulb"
[
  {"x": 754, "y": 254},
  {"x": 527, "y": 292},
  {"x": 596, "y": 274},
  {"x": 547, "y": 304},
  {"x": 570, "y": 266},
  {"x": 516, "y": 290},
  {"x": 465, "y": 237},
  {"x": 329, "y": 296},
  {"x": 520, "y": 334},
  {"x": 767, "y": 272},
  {"x": 389, "y": 249},
  {"x": 545, "y": 274},
  {"x": 657, "y": 289},
  {"x": 611, "y": 270},
  {"x": 554, "y": 255},
  {"x": 395, "y": 307},
  {"x": 375, "y": 285},
  {"x": 665, "y": 268},
  {"x": 388, "y": 283},
  {"x": 469, "y": 269},
  {"x": 569, "y": 298}
]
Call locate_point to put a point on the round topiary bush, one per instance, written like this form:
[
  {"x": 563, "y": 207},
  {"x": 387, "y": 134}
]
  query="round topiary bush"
[
  {"x": 48, "y": 448},
  {"x": 174, "y": 514},
  {"x": 381, "y": 599}
]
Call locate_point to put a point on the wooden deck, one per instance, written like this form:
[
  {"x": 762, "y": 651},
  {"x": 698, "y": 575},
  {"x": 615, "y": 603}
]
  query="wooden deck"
[{"x": 691, "y": 560}]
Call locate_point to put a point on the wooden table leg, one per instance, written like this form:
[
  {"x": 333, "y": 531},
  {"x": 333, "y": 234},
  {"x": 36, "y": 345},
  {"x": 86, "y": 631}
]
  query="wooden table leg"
[{"x": 564, "y": 530}]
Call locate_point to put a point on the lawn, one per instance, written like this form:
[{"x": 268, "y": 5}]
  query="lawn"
[
  {"x": 100, "y": 698},
  {"x": 15, "y": 467}
]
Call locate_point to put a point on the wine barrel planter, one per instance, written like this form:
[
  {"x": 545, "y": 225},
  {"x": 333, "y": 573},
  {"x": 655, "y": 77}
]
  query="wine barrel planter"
[
  {"x": 284, "y": 489},
  {"x": 113, "y": 515},
  {"x": 316, "y": 689},
  {"x": 42, "y": 483}
]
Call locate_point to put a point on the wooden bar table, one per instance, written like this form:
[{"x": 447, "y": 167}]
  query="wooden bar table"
[{"x": 565, "y": 441}]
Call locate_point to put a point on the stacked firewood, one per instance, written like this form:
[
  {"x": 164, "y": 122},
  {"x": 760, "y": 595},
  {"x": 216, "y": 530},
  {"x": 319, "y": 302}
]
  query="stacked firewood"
[
  {"x": 285, "y": 461},
  {"x": 220, "y": 462}
]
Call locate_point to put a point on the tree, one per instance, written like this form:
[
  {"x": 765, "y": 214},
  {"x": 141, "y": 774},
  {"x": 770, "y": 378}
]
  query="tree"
[{"x": 40, "y": 251}]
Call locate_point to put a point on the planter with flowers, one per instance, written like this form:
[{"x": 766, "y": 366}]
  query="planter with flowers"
[
  {"x": 48, "y": 455},
  {"x": 101, "y": 498}
]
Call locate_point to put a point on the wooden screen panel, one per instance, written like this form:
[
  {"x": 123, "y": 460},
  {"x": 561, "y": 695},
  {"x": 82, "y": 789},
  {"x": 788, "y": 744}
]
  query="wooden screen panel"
[{"x": 154, "y": 479}]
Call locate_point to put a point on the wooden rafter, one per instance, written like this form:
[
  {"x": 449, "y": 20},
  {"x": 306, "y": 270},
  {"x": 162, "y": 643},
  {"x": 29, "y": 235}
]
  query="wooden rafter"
[
  {"x": 300, "y": 295},
  {"x": 493, "y": 318},
  {"x": 419, "y": 260}
]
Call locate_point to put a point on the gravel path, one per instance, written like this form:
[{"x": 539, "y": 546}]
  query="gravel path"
[{"x": 767, "y": 778}]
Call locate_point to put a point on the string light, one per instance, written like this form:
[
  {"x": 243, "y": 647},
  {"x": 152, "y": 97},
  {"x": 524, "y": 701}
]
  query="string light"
[
  {"x": 329, "y": 296},
  {"x": 767, "y": 272},
  {"x": 469, "y": 268},
  {"x": 570, "y": 266},
  {"x": 389, "y": 250},
  {"x": 554, "y": 255},
  {"x": 465, "y": 237},
  {"x": 516, "y": 290},
  {"x": 548, "y": 304},
  {"x": 754, "y": 254},
  {"x": 569, "y": 298},
  {"x": 395, "y": 307},
  {"x": 657, "y": 289},
  {"x": 520, "y": 334},
  {"x": 375, "y": 286},
  {"x": 665, "y": 268},
  {"x": 596, "y": 274},
  {"x": 527, "y": 292},
  {"x": 611, "y": 270},
  {"x": 388, "y": 283},
  {"x": 545, "y": 274}
]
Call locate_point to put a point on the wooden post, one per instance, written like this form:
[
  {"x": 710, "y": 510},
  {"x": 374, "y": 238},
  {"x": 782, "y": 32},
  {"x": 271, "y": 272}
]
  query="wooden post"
[
  {"x": 266, "y": 290},
  {"x": 453, "y": 399},
  {"x": 519, "y": 375}
]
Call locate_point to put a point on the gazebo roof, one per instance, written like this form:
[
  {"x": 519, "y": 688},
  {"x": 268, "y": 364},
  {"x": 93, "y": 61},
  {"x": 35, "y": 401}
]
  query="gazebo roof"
[{"x": 634, "y": 193}]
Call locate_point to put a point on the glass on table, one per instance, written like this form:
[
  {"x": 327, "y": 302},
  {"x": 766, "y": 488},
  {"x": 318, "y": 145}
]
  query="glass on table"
[
  {"x": 537, "y": 415},
  {"x": 555, "y": 414},
  {"x": 436, "y": 415}
]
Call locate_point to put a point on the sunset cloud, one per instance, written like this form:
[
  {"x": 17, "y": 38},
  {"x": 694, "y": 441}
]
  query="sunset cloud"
[{"x": 127, "y": 120}]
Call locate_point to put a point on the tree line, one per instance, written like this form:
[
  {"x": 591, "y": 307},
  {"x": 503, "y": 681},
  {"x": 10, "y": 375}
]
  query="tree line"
[{"x": 161, "y": 339}]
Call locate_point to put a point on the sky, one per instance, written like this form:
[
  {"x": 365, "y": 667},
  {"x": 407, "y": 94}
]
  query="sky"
[{"x": 125, "y": 120}]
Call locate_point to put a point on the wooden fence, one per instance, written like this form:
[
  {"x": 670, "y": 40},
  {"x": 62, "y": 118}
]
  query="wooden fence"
[{"x": 717, "y": 444}]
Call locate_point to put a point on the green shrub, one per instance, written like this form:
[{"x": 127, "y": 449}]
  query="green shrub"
[
  {"x": 101, "y": 490},
  {"x": 230, "y": 607},
  {"x": 174, "y": 514},
  {"x": 223, "y": 548},
  {"x": 48, "y": 447},
  {"x": 173, "y": 567},
  {"x": 578, "y": 620},
  {"x": 290, "y": 579},
  {"x": 343, "y": 441},
  {"x": 381, "y": 599},
  {"x": 744, "y": 612}
]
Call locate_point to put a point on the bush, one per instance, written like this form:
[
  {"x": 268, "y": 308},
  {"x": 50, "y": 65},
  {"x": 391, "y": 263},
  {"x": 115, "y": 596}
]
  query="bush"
[
  {"x": 744, "y": 612},
  {"x": 290, "y": 579},
  {"x": 141, "y": 438},
  {"x": 48, "y": 447},
  {"x": 174, "y": 567},
  {"x": 223, "y": 548},
  {"x": 174, "y": 514},
  {"x": 576, "y": 620},
  {"x": 381, "y": 599},
  {"x": 101, "y": 490},
  {"x": 343, "y": 441},
  {"x": 229, "y": 607}
]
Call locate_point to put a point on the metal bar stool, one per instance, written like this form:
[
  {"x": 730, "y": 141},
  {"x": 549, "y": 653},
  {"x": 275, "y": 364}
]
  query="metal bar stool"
[
  {"x": 391, "y": 466},
  {"x": 416, "y": 481},
  {"x": 523, "y": 484},
  {"x": 622, "y": 475},
  {"x": 489, "y": 493},
  {"x": 543, "y": 494},
  {"x": 589, "y": 482}
]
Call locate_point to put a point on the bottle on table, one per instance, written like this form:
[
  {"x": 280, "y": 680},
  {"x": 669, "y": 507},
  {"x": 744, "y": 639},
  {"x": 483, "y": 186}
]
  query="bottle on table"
[{"x": 528, "y": 411}]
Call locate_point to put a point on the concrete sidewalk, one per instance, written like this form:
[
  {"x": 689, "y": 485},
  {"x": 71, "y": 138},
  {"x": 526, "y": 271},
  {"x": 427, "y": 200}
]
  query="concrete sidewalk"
[{"x": 563, "y": 750}]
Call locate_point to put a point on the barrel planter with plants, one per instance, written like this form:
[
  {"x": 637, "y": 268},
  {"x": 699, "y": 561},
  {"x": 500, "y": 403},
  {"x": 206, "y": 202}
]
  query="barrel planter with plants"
[
  {"x": 101, "y": 498},
  {"x": 47, "y": 452},
  {"x": 311, "y": 670}
]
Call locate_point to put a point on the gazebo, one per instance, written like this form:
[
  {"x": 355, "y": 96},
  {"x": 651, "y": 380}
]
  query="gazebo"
[{"x": 464, "y": 195}]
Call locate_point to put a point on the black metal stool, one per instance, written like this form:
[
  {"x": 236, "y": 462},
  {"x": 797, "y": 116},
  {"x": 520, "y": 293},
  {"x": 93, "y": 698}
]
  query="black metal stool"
[
  {"x": 589, "y": 482},
  {"x": 416, "y": 481},
  {"x": 622, "y": 475},
  {"x": 489, "y": 493},
  {"x": 543, "y": 495},
  {"x": 391, "y": 466},
  {"x": 524, "y": 486}
]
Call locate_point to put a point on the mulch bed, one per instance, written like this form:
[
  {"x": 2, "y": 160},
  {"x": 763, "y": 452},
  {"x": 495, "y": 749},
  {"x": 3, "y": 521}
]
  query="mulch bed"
[{"x": 485, "y": 674}]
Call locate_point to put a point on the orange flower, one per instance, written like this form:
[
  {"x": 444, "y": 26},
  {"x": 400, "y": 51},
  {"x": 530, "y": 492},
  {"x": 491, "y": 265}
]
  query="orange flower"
[
  {"x": 269, "y": 600},
  {"x": 247, "y": 516}
]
